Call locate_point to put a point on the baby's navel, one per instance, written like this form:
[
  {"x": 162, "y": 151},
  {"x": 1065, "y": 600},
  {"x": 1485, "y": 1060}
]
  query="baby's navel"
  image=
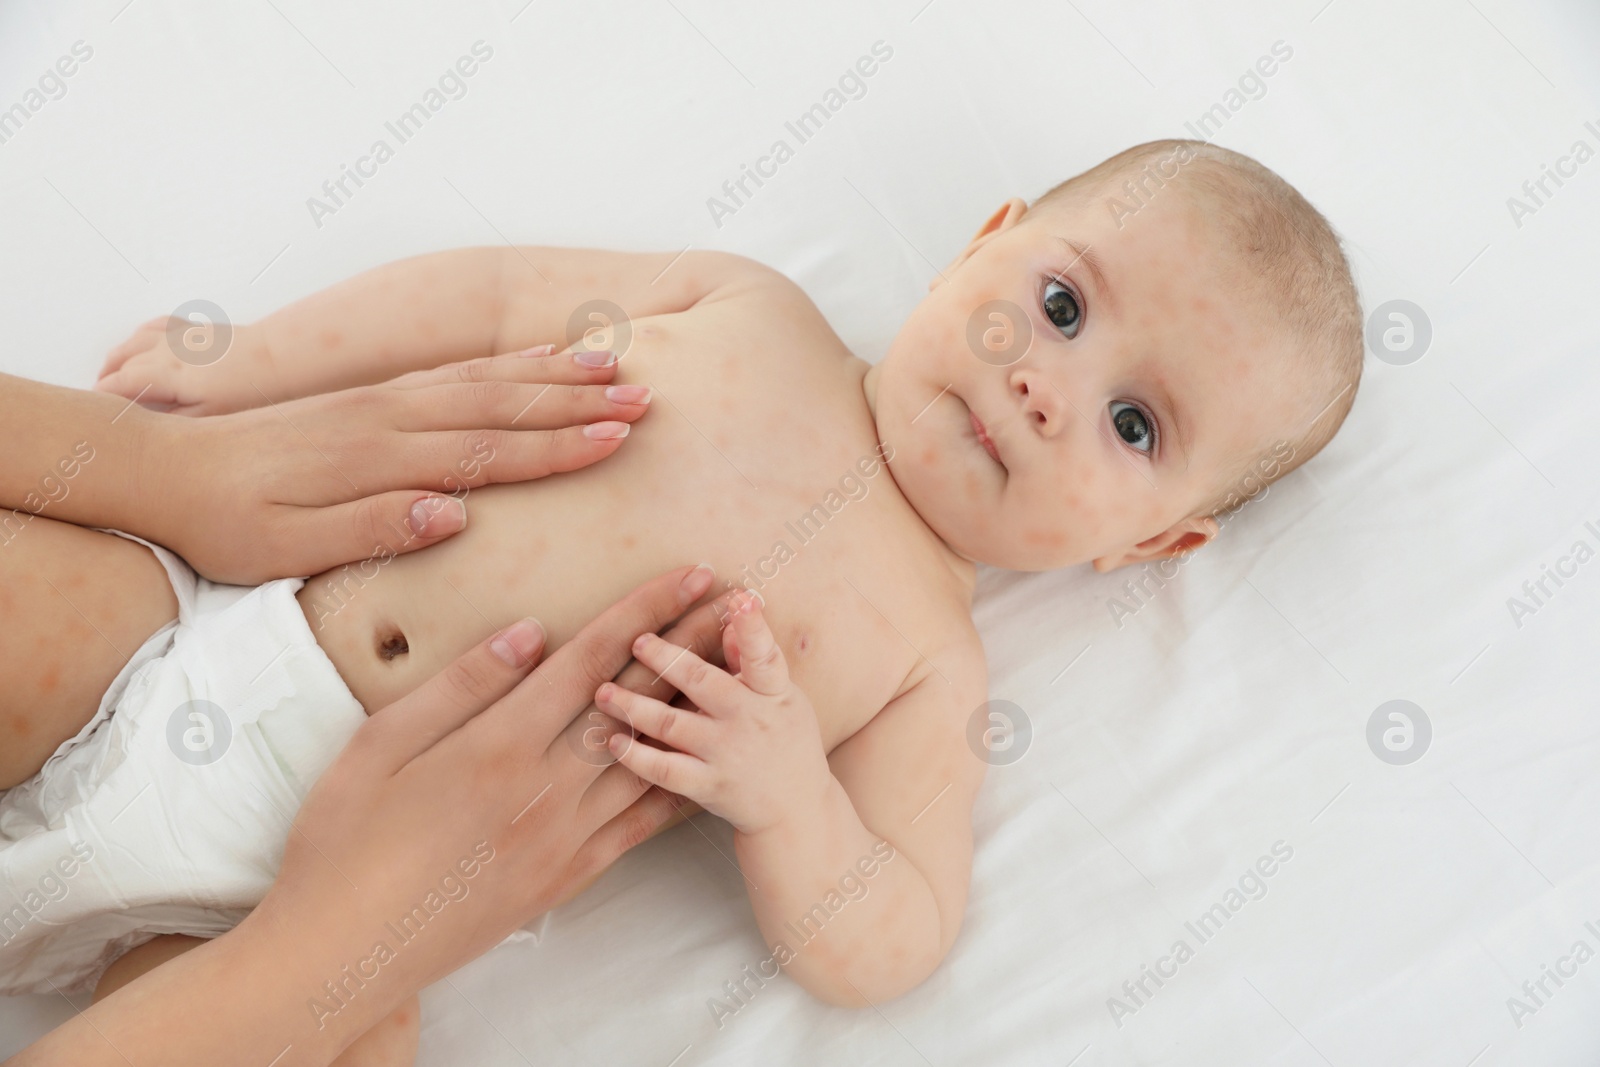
[{"x": 392, "y": 644}]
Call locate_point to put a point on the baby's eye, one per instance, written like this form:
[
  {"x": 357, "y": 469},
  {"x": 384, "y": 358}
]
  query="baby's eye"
[
  {"x": 1061, "y": 307},
  {"x": 1132, "y": 426}
]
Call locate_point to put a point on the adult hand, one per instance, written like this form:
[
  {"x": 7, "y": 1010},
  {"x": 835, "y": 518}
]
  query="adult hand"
[
  {"x": 298, "y": 487},
  {"x": 464, "y": 810}
]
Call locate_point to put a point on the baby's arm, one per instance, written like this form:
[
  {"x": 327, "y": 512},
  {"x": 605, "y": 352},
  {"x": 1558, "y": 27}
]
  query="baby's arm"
[
  {"x": 409, "y": 315},
  {"x": 857, "y": 864},
  {"x": 904, "y": 785}
]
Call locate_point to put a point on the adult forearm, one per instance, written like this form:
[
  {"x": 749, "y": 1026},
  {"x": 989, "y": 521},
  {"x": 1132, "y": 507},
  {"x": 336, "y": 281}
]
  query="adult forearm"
[
  {"x": 73, "y": 455},
  {"x": 857, "y": 922},
  {"x": 240, "y": 999}
]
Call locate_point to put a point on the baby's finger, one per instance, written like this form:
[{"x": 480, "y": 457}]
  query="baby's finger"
[
  {"x": 131, "y": 383},
  {"x": 686, "y": 731},
  {"x": 568, "y": 679},
  {"x": 676, "y": 772},
  {"x": 709, "y": 687},
  {"x": 697, "y": 631},
  {"x": 140, "y": 341},
  {"x": 761, "y": 663},
  {"x": 730, "y": 640}
]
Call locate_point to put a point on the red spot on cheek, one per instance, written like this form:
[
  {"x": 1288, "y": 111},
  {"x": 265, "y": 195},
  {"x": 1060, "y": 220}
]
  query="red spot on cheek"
[
  {"x": 1045, "y": 538},
  {"x": 928, "y": 456},
  {"x": 50, "y": 680}
]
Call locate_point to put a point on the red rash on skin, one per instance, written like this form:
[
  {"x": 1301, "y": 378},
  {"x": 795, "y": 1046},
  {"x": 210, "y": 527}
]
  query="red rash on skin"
[
  {"x": 50, "y": 680},
  {"x": 1045, "y": 538},
  {"x": 331, "y": 338}
]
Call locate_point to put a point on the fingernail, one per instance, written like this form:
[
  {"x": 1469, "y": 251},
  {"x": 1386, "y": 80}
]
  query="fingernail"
[
  {"x": 601, "y": 358},
  {"x": 537, "y": 350},
  {"x": 628, "y": 394},
  {"x": 696, "y": 582},
  {"x": 642, "y": 642},
  {"x": 604, "y": 693},
  {"x": 605, "y": 431},
  {"x": 434, "y": 516},
  {"x": 516, "y": 644}
]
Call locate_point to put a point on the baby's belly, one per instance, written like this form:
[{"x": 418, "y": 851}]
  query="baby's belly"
[{"x": 565, "y": 548}]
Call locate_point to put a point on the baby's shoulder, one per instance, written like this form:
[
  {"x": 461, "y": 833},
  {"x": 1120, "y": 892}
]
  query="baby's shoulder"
[{"x": 738, "y": 285}]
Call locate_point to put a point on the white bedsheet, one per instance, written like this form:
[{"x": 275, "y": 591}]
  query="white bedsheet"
[{"x": 1169, "y": 753}]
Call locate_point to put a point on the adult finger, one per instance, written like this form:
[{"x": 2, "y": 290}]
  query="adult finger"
[
  {"x": 383, "y": 525},
  {"x": 563, "y": 685},
  {"x": 450, "y": 460},
  {"x": 519, "y": 405},
  {"x": 474, "y": 681},
  {"x": 634, "y": 823},
  {"x": 532, "y": 365}
]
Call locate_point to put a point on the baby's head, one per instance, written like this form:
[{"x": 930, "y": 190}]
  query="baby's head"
[{"x": 1150, "y": 343}]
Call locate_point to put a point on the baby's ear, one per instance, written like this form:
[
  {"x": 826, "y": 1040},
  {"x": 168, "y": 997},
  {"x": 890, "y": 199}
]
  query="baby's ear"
[
  {"x": 1009, "y": 214},
  {"x": 1186, "y": 536}
]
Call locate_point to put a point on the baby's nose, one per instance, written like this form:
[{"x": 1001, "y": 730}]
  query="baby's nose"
[{"x": 1045, "y": 408}]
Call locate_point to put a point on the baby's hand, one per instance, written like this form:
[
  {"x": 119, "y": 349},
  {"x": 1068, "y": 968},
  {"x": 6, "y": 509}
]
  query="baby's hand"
[
  {"x": 188, "y": 368},
  {"x": 752, "y": 753}
]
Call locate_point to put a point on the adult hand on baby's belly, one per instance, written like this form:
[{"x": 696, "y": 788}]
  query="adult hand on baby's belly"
[
  {"x": 477, "y": 787},
  {"x": 310, "y": 484}
]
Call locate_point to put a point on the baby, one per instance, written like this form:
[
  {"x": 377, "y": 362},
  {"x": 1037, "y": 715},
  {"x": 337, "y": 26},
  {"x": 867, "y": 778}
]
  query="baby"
[{"x": 1088, "y": 381}]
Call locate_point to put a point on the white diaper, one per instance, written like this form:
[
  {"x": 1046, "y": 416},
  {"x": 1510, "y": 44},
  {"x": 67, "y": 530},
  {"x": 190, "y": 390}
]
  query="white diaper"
[{"x": 169, "y": 810}]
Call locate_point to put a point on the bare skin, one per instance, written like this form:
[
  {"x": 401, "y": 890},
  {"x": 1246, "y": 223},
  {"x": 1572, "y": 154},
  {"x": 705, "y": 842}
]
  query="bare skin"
[
  {"x": 870, "y": 609},
  {"x": 78, "y": 603},
  {"x": 871, "y": 612},
  {"x": 391, "y": 1042}
]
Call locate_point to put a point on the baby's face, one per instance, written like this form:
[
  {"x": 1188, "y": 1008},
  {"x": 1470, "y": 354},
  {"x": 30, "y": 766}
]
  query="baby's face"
[{"x": 1144, "y": 386}]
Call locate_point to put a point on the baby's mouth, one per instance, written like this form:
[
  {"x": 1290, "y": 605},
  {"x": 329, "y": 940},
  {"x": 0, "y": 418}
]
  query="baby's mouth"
[{"x": 983, "y": 438}]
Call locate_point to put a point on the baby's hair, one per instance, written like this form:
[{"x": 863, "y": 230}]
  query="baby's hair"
[{"x": 1292, "y": 263}]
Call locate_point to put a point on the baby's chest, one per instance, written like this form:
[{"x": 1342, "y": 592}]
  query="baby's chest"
[{"x": 854, "y": 643}]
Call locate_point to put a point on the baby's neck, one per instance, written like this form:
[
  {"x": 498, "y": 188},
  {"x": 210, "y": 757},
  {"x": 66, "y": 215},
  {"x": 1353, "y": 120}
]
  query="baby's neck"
[{"x": 964, "y": 569}]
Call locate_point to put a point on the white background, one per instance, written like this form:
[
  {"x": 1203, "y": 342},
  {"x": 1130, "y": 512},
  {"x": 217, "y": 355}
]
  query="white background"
[{"x": 1228, "y": 714}]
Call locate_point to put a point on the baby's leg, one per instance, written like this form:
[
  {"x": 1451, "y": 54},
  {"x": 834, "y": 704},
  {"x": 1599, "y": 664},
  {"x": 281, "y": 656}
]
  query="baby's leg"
[
  {"x": 75, "y": 604},
  {"x": 391, "y": 1043}
]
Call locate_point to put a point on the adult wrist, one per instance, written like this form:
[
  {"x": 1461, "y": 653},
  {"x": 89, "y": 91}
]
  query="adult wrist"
[
  {"x": 156, "y": 456},
  {"x": 300, "y": 986}
]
